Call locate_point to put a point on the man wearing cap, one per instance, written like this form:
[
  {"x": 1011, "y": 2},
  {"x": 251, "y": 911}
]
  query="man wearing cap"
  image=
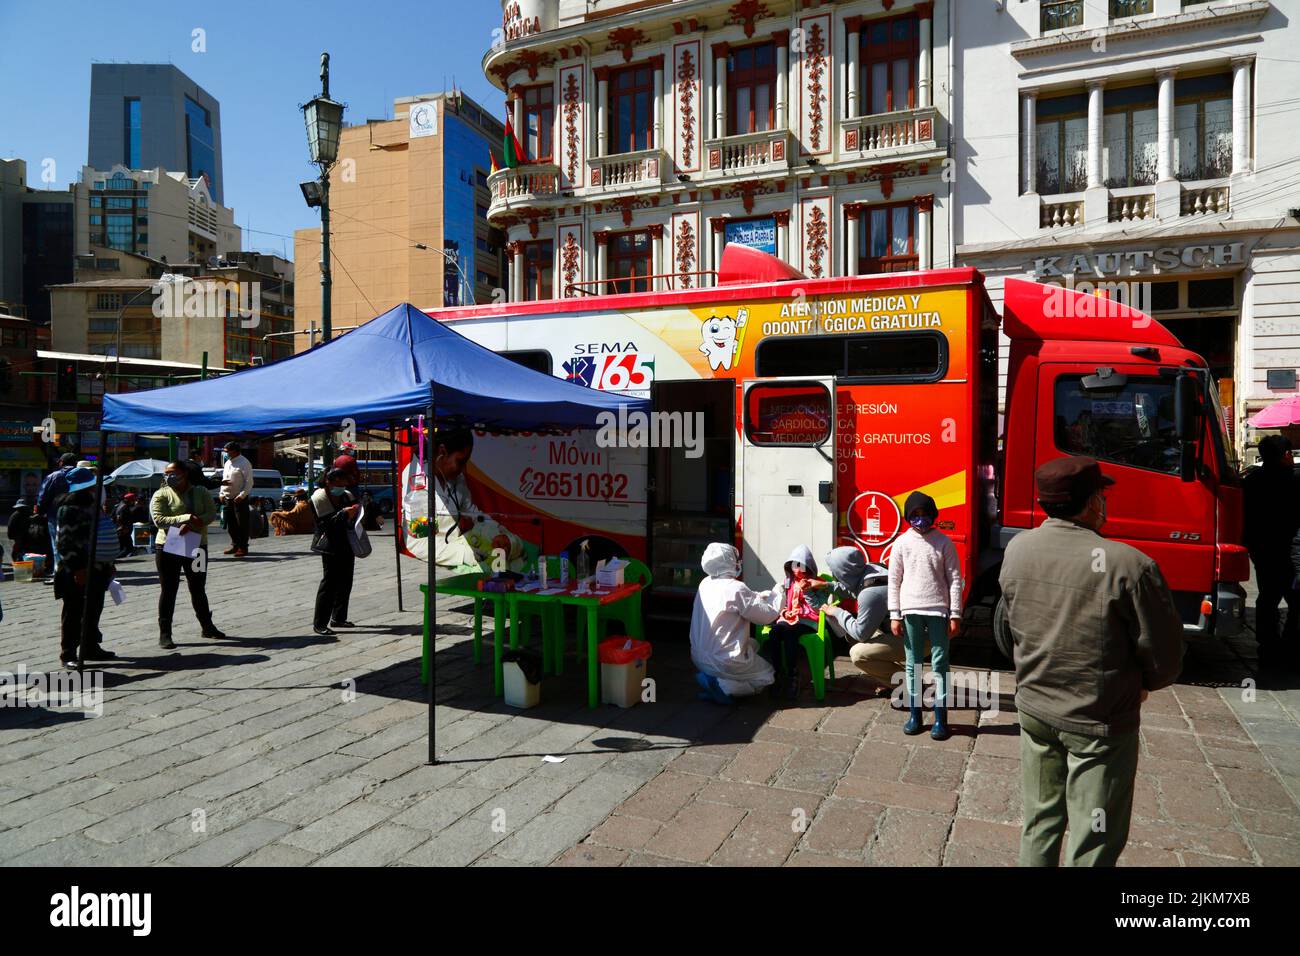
[
  {"x": 80, "y": 582},
  {"x": 236, "y": 483},
  {"x": 1095, "y": 630}
]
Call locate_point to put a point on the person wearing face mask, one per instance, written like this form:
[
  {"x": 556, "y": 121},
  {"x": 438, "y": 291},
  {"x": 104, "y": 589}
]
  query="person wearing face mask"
[
  {"x": 79, "y": 520},
  {"x": 1094, "y": 630},
  {"x": 723, "y": 651},
  {"x": 236, "y": 483},
  {"x": 925, "y": 587},
  {"x": 800, "y": 605},
  {"x": 336, "y": 509},
  {"x": 183, "y": 505}
]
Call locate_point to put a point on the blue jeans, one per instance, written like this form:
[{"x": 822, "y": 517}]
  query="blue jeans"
[
  {"x": 917, "y": 629},
  {"x": 54, "y": 546}
]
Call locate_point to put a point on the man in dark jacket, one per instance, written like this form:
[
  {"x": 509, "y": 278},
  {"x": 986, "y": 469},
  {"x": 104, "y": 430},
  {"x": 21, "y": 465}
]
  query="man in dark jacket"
[
  {"x": 1095, "y": 630},
  {"x": 1271, "y": 501},
  {"x": 54, "y": 487},
  {"x": 80, "y": 519}
]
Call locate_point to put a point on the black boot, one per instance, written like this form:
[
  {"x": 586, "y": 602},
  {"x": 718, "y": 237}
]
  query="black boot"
[{"x": 165, "y": 640}]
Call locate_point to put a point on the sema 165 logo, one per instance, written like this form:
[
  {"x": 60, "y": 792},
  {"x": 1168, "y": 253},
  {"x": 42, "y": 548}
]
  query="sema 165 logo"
[{"x": 610, "y": 367}]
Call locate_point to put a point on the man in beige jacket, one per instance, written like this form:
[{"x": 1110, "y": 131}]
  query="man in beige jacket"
[{"x": 1095, "y": 630}]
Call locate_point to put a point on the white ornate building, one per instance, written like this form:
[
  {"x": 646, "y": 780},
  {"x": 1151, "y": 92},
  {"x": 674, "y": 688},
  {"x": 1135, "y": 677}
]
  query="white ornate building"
[
  {"x": 657, "y": 131},
  {"x": 1149, "y": 144}
]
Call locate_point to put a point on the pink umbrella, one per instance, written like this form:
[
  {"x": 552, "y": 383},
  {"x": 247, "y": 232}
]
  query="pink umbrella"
[{"x": 1280, "y": 414}]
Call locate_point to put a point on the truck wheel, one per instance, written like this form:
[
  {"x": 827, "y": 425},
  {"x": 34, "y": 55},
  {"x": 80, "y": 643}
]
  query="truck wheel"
[{"x": 1002, "y": 631}]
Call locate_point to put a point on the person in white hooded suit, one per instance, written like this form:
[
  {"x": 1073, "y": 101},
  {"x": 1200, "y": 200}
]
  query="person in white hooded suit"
[{"x": 722, "y": 649}]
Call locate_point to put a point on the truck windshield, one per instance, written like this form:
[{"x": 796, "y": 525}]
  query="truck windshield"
[{"x": 1132, "y": 425}]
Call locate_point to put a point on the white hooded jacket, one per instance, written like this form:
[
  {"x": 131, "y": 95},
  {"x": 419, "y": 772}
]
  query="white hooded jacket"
[{"x": 721, "y": 645}]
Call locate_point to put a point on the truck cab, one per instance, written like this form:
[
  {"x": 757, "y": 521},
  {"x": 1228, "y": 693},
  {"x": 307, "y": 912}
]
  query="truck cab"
[{"x": 1089, "y": 375}]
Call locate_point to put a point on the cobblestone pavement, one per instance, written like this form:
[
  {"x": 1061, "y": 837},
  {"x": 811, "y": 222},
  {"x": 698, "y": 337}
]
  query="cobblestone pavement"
[{"x": 248, "y": 752}]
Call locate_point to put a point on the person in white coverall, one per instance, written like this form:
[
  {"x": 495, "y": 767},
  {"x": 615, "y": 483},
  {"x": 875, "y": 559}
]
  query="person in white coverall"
[{"x": 722, "y": 649}]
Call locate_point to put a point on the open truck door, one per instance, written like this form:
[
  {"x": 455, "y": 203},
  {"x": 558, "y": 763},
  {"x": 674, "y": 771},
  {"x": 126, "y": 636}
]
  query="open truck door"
[{"x": 788, "y": 473}]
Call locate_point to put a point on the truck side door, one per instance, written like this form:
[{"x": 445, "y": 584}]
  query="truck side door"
[{"x": 788, "y": 457}]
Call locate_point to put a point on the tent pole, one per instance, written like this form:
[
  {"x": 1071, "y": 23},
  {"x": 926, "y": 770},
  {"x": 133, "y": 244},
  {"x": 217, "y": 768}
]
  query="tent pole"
[
  {"x": 84, "y": 644},
  {"x": 397, "y": 512},
  {"x": 431, "y": 476}
]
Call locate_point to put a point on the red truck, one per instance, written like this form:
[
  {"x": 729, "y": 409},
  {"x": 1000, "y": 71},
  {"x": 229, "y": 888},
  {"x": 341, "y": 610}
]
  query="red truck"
[{"x": 807, "y": 409}]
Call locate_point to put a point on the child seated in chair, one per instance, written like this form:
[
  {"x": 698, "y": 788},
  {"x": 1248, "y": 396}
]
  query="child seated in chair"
[{"x": 800, "y": 599}]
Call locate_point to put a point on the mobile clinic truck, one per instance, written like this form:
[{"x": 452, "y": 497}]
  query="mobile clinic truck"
[{"x": 800, "y": 411}]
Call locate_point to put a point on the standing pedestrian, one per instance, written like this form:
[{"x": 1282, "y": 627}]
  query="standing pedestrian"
[
  {"x": 236, "y": 485},
  {"x": 54, "y": 487},
  {"x": 336, "y": 511},
  {"x": 188, "y": 508},
  {"x": 925, "y": 586},
  {"x": 1271, "y": 501},
  {"x": 1094, "y": 630},
  {"x": 80, "y": 583}
]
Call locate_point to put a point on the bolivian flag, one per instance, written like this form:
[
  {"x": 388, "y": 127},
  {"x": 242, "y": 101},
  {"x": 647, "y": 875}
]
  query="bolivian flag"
[
  {"x": 492, "y": 160},
  {"x": 512, "y": 152}
]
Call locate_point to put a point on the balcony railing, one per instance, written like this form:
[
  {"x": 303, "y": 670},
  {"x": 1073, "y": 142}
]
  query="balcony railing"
[
  {"x": 647, "y": 167},
  {"x": 1132, "y": 205},
  {"x": 748, "y": 153},
  {"x": 1060, "y": 14},
  {"x": 525, "y": 181},
  {"x": 885, "y": 133},
  {"x": 1060, "y": 212},
  {"x": 1204, "y": 199}
]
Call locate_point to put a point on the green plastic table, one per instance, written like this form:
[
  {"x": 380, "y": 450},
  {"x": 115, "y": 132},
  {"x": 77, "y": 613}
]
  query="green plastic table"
[{"x": 466, "y": 585}]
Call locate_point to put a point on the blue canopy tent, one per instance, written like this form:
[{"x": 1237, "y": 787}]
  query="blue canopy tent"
[{"x": 399, "y": 365}]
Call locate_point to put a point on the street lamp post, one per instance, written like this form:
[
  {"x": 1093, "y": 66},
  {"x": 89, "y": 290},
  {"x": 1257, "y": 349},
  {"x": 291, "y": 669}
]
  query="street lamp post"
[{"x": 324, "y": 120}]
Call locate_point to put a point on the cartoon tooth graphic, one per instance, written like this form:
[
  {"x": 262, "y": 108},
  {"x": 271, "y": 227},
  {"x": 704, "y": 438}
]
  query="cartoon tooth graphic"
[{"x": 718, "y": 333}]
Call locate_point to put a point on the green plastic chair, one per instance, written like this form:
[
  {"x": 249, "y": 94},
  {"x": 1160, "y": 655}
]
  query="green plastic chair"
[
  {"x": 817, "y": 645},
  {"x": 636, "y": 572}
]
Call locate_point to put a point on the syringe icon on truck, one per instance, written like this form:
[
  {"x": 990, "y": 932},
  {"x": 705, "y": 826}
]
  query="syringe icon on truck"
[{"x": 818, "y": 405}]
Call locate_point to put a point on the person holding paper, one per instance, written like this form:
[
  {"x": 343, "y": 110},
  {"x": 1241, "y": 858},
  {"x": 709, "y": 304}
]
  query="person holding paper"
[
  {"x": 80, "y": 521},
  {"x": 182, "y": 512}
]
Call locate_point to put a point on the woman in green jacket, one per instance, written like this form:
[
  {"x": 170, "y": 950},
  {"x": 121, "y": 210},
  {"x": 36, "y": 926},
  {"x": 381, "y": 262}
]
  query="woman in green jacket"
[{"x": 187, "y": 508}]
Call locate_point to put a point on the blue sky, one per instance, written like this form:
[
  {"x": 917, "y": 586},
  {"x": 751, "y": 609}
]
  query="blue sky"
[{"x": 262, "y": 60}]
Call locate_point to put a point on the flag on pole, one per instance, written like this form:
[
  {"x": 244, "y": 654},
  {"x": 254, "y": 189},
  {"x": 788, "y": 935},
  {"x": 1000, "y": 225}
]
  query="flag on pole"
[
  {"x": 513, "y": 153},
  {"x": 492, "y": 160}
]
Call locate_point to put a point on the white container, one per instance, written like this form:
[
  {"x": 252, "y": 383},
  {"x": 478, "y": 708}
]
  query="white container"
[
  {"x": 520, "y": 692},
  {"x": 620, "y": 684},
  {"x": 610, "y": 574}
]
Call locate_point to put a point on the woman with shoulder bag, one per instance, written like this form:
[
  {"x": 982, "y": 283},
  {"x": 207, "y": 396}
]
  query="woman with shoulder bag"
[{"x": 336, "y": 512}]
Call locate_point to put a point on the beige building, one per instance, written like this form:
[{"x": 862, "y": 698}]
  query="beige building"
[
  {"x": 407, "y": 196},
  {"x": 154, "y": 213},
  {"x": 655, "y": 133}
]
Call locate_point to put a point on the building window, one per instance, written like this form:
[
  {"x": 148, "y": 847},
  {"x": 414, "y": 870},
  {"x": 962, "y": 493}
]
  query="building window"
[
  {"x": 887, "y": 239},
  {"x": 1059, "y": 14},
  {"x": 539, "y": 122},
  {"x": 1130, "y": 143},
  {"x": 630, "y": 262},
  {"x": 1061, "y": 145},
  {"x": 131, "y": 133},
  {"x": 537, "y": 258},
  {"x": 631, "y": 109},
  {"x": 751, "y": 86},
  {"x": 481, "y": 211},
  {"x": 96, "y": 202},
  {"x": 108, "y": 302},
  {"x": 1119, "y": 9},
  {"x": 887, "y": 76},
  {"x": 1203, "y": 127},
  {"x": 200, "y": 145},
  {"x": 120, "y": 232}
]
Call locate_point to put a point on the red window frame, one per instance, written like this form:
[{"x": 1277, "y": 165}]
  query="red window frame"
[
  {"x": 891, "y": 52},
  {"x": 625, "y": 86},
  {"x": 539, "y": 103},
  {"x": 750, "y": 78},
  {"x": 537, "y": 259},
  {"x": 890, "y": 261},
  {"x": 629, "y": 267}
]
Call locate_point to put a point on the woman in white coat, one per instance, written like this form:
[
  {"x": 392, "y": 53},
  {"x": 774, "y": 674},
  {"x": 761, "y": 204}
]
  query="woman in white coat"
[{"x": 722, "y": 649}]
